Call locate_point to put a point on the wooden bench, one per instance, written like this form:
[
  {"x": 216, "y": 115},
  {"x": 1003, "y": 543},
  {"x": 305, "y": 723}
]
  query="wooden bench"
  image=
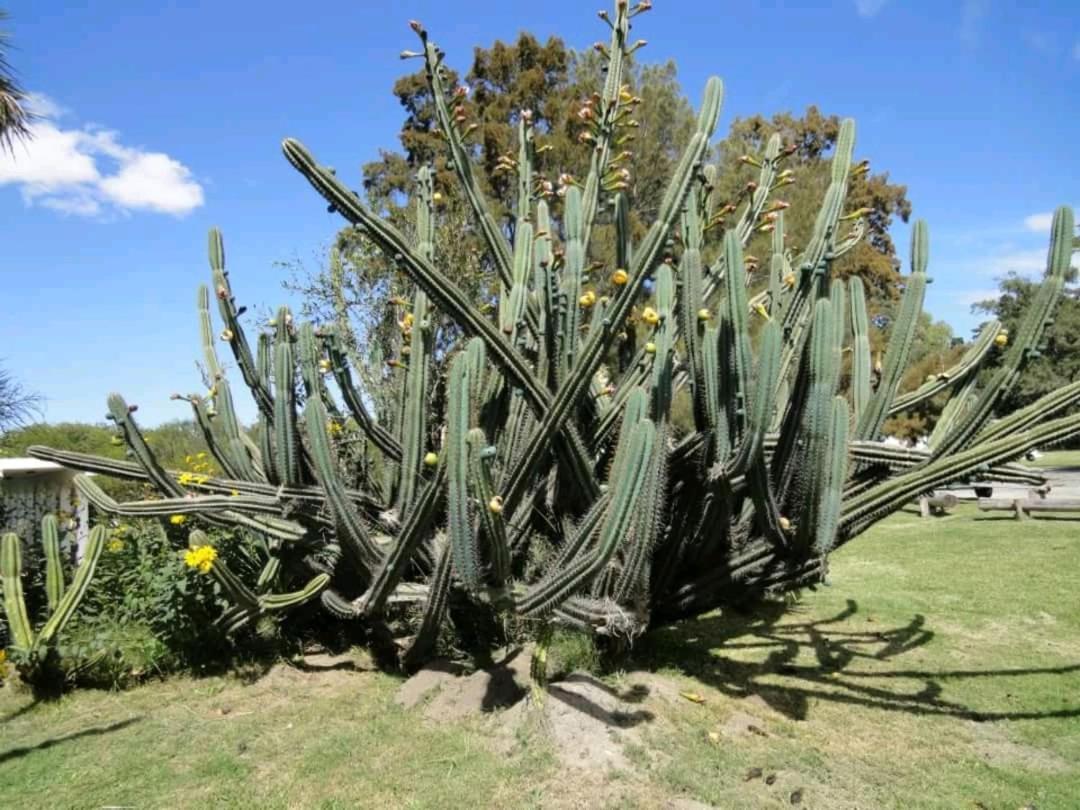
[{"x": 1035, "y": 502}]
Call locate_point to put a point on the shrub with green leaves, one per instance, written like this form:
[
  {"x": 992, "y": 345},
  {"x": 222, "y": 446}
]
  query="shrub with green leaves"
[{"x": 533, "y": 472}]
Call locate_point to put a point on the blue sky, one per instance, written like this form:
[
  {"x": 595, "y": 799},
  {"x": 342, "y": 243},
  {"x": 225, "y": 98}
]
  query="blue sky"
[{"x": 165, "y": 118}]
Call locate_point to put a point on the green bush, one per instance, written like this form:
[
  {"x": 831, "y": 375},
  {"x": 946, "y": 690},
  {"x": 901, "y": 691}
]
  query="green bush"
[{"x": 148, "y": 614}]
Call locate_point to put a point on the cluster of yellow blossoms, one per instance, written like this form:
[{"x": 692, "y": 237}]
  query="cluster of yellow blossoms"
[{"x": 201, "y": 558}]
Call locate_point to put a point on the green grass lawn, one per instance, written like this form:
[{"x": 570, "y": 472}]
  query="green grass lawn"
[{"x": 940, "y": 669}]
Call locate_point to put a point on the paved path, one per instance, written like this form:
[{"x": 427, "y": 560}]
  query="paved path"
[{"x": 1064, "y": 482}]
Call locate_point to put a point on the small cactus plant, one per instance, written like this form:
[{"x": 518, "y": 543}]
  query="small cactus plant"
[{"x": 546, "y": 480}]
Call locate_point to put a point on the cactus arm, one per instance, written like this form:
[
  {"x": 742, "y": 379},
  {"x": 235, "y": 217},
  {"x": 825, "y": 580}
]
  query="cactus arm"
[
  {"x": 462, "y": 161},
  {"x": 491, "y": 522},
  {"x": 439, "y": 288},
  {"x": 339, "y": 365},
  {"x": 834, "y": 472},
  {"x": 121, "y": 414},
  {"x": 901, "y": 340},
  {"x": 890, "y": 495},
  {"x": 354, "y": 533},
  {"x": 132, "y": 471},
  {"x": 14, "y": 603},
  {"x": 816, "y": 422},
  {"x": 860, "y": 359},
  {"x": 54, "y": 569},
  {"x": 80, "y": 582},
  {"x": 283, "y": 601},
  {"x": 460, "y": 517},
  {"x": 1030, "y": 332},
  {"x": 1027, "y": 417},
  {"x": 230, "y": 315},
  {"x": 414, "y": 403},
  {"x": 760, "y": 406},
  {"x": 961, "y": 372},
  {"x": 598, "y": 342},
  {"x": 434, "y": 610},
  {"x": 413, "y": 531},
  {"x": 286, "y": 441},
  {"x": 216, "y": 509},
  {"x": 631, "y": 473}
]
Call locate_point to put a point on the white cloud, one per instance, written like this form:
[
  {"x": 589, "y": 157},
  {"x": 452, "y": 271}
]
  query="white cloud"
[
  {"x": 1024, "y": 262},
  {"x": 1039, "y": 223},
  {"x": 86, "y": 171},
  {"x": 869, "y": 8}
]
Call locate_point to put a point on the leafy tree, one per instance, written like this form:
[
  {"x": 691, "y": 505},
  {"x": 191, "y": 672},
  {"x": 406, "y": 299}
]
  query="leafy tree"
[
  {"x": 550, "y": 81},
  {"x": 813, "y": 136},
  {"x": 935, "y": 349},
  {"x": 1059, "y": 362},
  {"x": 15, "y": 118}
]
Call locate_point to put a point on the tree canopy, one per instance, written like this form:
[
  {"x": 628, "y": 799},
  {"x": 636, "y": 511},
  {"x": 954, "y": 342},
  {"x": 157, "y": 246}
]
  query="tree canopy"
[
  {"x": 356, "y": 285},
  {"x": 1059, "y": 361}
]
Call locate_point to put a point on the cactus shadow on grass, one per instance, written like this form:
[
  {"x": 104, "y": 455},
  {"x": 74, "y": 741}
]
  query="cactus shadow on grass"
[
  {"x": 15, "y": 753},
  {"x": 790, "y": 664}
]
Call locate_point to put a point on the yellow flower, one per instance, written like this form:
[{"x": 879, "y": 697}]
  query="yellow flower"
[
  {"x": 650, "y": 348},
  {"x": 324, "y": 366},
  {"x": 703, "y": 314},
  {"x": 789, "y": 280},
  {"x": 431, "y": 459},
  {"x": 588, "y": 299},
  {"x": 235, "y": 493},
  {"x": 333, "y": 428},
  {"x": 760, "y": 310},
  {"x": 201, "y": 557},
  {"x": 650, "y": 316},
  {"x": 115, "y": 545},
  {"x": 177, "y": 520},
  {"x": 1002, "y": 338},
  {"x": 495, "y": 505},
  {"x": 185, "y": 478},
  {"x": 620, "y": 277}
]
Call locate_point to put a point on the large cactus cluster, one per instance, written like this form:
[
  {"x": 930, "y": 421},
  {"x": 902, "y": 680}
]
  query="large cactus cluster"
[{"x": 534, "y": 469}]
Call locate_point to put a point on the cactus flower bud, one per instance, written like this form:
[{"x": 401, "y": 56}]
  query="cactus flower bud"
[
  {"x": 620, "y": 277},
  {"x": 588, "y": 299},
  {"x": 431, "y": 459},
  {"x": 1002, "y": 340},
  {"x": 650, "y": 348},
  {"x": 227, "y": 335},
  {"x": 495, "y": 505}
]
